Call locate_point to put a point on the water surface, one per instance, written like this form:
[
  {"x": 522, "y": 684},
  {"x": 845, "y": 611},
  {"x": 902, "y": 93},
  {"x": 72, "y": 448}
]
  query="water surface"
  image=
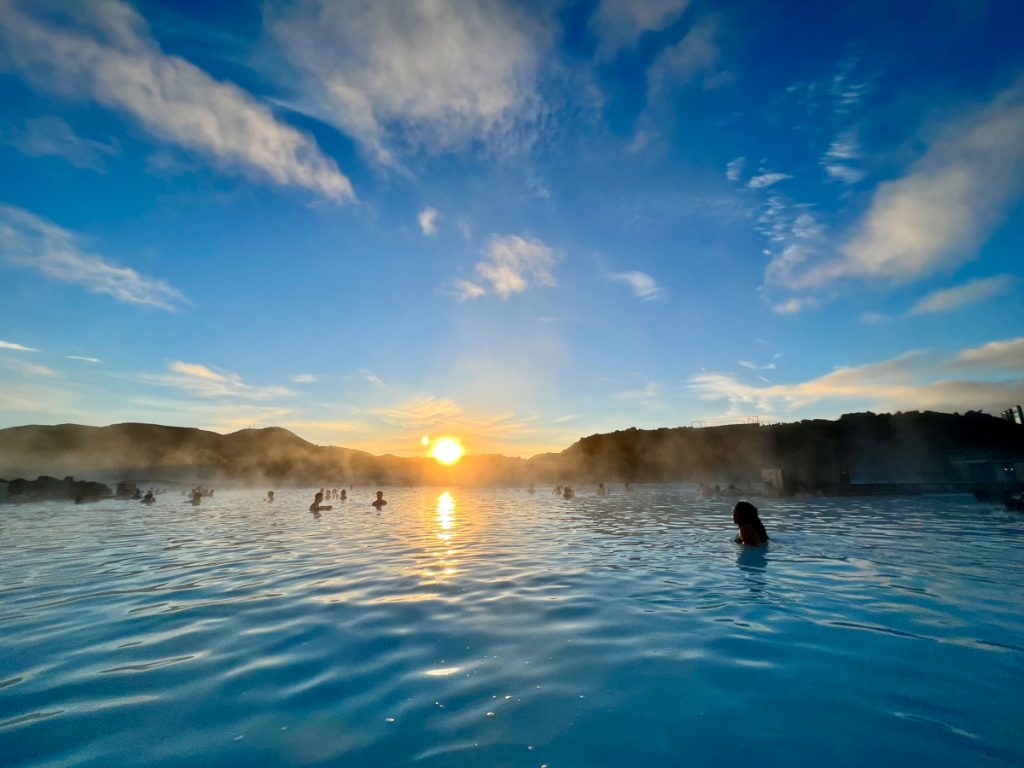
[{"x": 493, "y": 628}]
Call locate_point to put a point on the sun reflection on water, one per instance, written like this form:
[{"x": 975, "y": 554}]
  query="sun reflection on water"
[{"x": 444, "y": 567}]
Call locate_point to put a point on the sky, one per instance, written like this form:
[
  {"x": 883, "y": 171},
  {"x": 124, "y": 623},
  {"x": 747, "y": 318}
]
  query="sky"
[{"x": 516, "y": 223}]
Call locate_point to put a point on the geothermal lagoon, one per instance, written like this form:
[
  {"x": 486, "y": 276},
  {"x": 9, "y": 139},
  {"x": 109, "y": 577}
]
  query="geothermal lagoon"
[{"x": 470, "y": 627}]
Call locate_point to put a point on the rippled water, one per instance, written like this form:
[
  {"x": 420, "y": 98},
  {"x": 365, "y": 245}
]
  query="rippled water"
[{"x": 492, "y": 628}]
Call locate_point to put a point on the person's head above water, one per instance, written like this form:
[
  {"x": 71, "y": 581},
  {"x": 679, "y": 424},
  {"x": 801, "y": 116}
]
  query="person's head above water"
[
  {"x": 751, "y": 529},
  {"x": 380, "y": 494}
]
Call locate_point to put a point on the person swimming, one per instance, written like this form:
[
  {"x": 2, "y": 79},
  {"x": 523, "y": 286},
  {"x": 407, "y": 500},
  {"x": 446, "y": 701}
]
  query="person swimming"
[
  {"x": 567, "y": 492},
  {"x": 149, "y": 498},
  {"x": 317, "y": 505},
  {"x": 344, "y": 495},
  {"x": 380, "y": 503},
  {"x": 270, "y": 497},
  {"x": 601, "y": 490},
  {"x": 197, "y": 497},
  {"x": 751, "y": 530}
]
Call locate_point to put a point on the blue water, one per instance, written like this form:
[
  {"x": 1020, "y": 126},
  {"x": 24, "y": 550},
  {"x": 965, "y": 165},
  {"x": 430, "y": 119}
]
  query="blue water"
[{"x": 492, "y": 628}]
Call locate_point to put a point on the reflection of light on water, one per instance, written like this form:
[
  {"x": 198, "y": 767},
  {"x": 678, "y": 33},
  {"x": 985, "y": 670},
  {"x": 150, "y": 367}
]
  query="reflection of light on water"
[
  {"x": 442, "y": 671},
  {"x": 445, "y": 510},
  {"x": 445, "y": 521}
]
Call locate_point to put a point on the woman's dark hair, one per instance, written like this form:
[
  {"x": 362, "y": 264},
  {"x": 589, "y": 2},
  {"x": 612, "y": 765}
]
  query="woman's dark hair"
[{"x": 745, "y": 513}]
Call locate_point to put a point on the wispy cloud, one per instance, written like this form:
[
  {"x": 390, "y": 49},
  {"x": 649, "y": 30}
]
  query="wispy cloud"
[
  {"x": 16, "y": 347},
  {"x": 26, "y": 240},
  {"x": 430, "y": 74},
  {"x": 648, "y": 395},
  {"x": 734, "y": 168},
  {"x": 512, "y": 265},
  {"x": 914, "y": 380},
  {"x": 107, "y": 54},
  {"x": 304, "y": 378},
  {"x": 796, "y": 305},
  {"x": 83, "y": 359},
  {"x": 51, "y": 136},
  {"x": 644, "y": 286},
  {"x": 28, "y": 369},
  {"x": 964, "y": 295},
  {"x": 428, "y": 221},
  {"x": 1006, "y": 355},
  {"x": 419, "y": 413},
  {"x": 765, "y": 180},
  {"x": 695, "y": 56},
  {"x": 618, "y": 24},
  {"x": 839, "y": 161},
  {"x": 755, "y": 366},
  {"x": 202, "y": 381},
  {"x": 937, "y": 215}
]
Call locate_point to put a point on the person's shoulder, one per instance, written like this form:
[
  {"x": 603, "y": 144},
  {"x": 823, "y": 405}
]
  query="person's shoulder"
[{"x": 748, "y": 534}]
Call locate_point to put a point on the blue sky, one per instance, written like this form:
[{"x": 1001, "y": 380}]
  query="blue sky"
[{"x": 516, "y": 223}]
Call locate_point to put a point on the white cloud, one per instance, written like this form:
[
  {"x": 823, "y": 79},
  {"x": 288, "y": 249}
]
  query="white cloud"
[
  {"x": 644, "y": 286},
  {"x": 304, "y": 378},
  {"x": 839, "y": 161},
  {"x": 845, "y": 173},
  {"x": 83, "y": 359},
  {"x": 696, "y": 54},
  {"x": 512, "y": 265},
  {"x": 29, "y": 369},
  {"x": 27, "y": 240},
  {"x": 755, "y": 366},
  {"x": 430, "y": 74},
  {"x": 912, "y": 381},
  {"x": 16, "y": 347},
  {"x": 1005, "y": 355},
  {"x": 620, "y": 23},
  {"x": 938, "y": 214},
  {"x": 203, "y": 381},
  {"x": 419, "y": 413},
  {"x": 796, "y": 305},
  {"x": 734, "y": 168},
  {"x": 970, "y": 292},
  {"x": 51, "y": 136},
  {"x": 107, "y": 54},
  {"x": 765, "y": 180},
  {"x": 428, "y": 221}
]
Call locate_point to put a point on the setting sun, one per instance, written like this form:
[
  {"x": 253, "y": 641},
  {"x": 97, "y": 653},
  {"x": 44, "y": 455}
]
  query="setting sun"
[{"x": 447, "y": 450}]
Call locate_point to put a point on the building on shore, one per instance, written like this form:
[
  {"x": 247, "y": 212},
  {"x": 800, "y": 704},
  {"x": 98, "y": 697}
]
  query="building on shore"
[{"x": 1015, "y": 414}]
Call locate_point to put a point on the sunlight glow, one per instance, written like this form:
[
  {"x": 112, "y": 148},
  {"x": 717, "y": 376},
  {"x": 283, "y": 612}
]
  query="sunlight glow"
[{"x": 447, "y": 450}]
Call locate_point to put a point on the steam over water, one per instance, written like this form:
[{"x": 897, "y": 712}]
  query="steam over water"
[{"x": 494, "y": 628}]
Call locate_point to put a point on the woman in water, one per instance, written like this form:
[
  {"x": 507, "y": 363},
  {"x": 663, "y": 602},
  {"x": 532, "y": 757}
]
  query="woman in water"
[{"x": 750, "y": 528}]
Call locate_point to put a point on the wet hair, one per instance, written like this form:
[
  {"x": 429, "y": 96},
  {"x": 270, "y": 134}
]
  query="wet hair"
[{"x": 745, "y": 513}]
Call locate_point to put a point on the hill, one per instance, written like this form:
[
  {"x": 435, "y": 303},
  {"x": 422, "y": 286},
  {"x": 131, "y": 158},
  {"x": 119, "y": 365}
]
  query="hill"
[{"x": 862, "y": 447}]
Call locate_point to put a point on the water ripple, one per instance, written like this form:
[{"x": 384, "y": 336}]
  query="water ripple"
[{"x": 493, "y": 628}]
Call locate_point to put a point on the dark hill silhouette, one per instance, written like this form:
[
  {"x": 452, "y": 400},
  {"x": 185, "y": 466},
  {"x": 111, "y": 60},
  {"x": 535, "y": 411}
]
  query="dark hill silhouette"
[
  {"x": 862, "y": 447},
  {"x": 913, "y": 447}
]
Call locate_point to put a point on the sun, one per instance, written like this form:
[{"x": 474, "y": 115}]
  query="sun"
[{"x": 447, "y": 450}]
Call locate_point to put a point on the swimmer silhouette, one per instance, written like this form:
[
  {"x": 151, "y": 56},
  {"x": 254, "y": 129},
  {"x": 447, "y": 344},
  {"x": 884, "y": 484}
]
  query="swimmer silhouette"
[
  {"x": 380, "y": 502},
  {"x": 567, "y": 493},
  {"x": 270, "y": 497},
  {"x": 316, "y": 506},
  {"x": 344, "y": 495},
  {"x": 601, "y": 490},
  {"x": 751, "y": 530}
]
